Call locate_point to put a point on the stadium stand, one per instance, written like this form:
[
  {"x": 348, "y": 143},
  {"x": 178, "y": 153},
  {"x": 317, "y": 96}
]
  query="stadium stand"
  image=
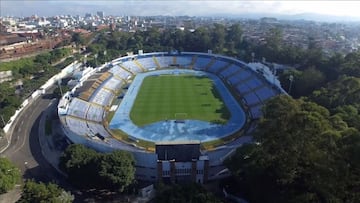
[
  {"x": 264, "y": 93},
  {"x": 82, "y": 111},
  {"x": 254, "y": 83},
  {"x": 147, "y": 63},
  {"x": 95, "y": 113},
  {"x": 240, "y": 76},
  {"x": 113, "y": 84},
  {"x": 164, "y": 61},
  {"x": 251, "y": 98},
  {"x": 242, "y": 88},
  {"x": 78, "y": 126},
  {"x": 156, "y": 62},
  {"x": 97, "y": 128},
  {"x": 193, "y": 61},
  {"x": 229, "y": 71},
  {"x": 184, "y": 61},
  {"x": 102, "y": 97},
  {"x": 78, "y": 108},
  {"x": 131, "y": 66},
  {"x": 120, "y": 73},
  {"x": 217, "y": 66},
  {"x": 212, "y": 61},
  {"x": 139, "y": 65},
  {"x": 256, "y": 111},
  {"x": 201, "y": 63}
]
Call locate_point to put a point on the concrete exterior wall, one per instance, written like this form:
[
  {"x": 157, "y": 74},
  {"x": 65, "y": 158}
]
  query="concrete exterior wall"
[{"x": 64, "y": 73}]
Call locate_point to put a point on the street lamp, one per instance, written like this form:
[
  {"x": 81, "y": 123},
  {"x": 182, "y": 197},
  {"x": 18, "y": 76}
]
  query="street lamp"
[
  {"x": 95, "y": 56},
  {"x": 105, "y": 55},
  {"x": 85, "y": 57},
  {"x": 291, "y": 78},
  {"x": 59, "y": 84},
  {"x": 2, "y": 118}
]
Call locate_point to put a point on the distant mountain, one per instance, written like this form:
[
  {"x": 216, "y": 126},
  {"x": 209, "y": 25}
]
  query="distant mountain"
[
  {"x": 321, "y": 17},
  {"x": 301, "y": 16}
]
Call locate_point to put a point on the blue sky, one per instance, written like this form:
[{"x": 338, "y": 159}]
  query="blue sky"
[{"x": 177, "y": 7}]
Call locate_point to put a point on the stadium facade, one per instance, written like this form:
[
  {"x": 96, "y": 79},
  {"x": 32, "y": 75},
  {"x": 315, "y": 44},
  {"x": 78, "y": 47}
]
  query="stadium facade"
[{"x": 84, "y": 110}]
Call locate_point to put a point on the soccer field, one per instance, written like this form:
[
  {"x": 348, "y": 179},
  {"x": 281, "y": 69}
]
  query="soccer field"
[{"x": 178, "y": 97}]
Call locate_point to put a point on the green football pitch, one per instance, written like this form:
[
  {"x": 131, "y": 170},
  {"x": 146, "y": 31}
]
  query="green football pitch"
[{"x": 178, "y": 97}]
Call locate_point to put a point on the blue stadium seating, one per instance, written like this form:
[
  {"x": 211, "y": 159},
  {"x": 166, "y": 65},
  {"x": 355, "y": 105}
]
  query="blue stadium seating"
[
  {"x": 251, "y": 98},
  {"x": 239, "y": 76},
  {"x": 147, "y": 63},
  {"x": 184, "y": 60},
  {"x": 229, "y": 71},
  {"x": 201, "y": 62},
  {"x": 217, "y": 66},
  {"x": 254, "y": 83},
  {"x": 264, "y": 93}
]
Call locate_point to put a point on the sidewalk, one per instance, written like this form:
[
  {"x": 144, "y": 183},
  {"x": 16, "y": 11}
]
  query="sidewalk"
[
  {"x": 3, "y": 143},
  {"x": 12, "y": 195},
  {"x": 52, "y": 145}
]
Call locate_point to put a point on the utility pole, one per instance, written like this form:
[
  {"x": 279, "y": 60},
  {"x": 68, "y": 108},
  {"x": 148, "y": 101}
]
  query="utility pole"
[
  {"x": 85, "y": 61},
  {"x": 2, "y": 118},
  {"x": 59, "y": 83},
  {"x": 291, "y": 78},
  {"x": 95, "y": 56}
]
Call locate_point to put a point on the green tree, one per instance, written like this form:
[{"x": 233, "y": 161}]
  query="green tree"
[
  {"x": 350, "y": 114},
  {"x": 274, "y": 44},
  {"x": 343, "y": 91},
  {"x": 117, "y": 169},
  {"x": 107, "y": 171},
  {"x": 184, "y": 193},
  {"x": 44, "y": 193},
  {"x": 218, "y": 35},
  {"x": 296, "y": 157},
  {"x": 57, "y": 91},
  {"x": 351, "y": 64},
  {"x": 9, "y": 175},
  {"x": 202, "y": 39},
  {"x": 350, "y": 151},
  {"x": 80, "y": 162},
  {"x": 78, "y": 39},
  {"x": 5, "y": 90},
  {"x": 309, "y": 80}
]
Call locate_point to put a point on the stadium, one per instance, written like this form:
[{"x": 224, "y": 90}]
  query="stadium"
[{"x": 179, "y": 113}]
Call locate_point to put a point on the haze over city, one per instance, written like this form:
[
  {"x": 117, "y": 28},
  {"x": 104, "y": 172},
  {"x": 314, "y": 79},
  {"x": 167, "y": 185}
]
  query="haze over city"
[{"x": 339, "y": 10}]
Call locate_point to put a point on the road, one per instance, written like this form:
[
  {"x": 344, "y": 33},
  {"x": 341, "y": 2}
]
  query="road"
[{"x": 25, "y": 150}]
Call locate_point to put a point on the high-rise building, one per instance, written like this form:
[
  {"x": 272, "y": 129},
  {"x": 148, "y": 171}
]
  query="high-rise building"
[
  {"x": 101, "y": 14},
  {"x": 87, "y": 15}
]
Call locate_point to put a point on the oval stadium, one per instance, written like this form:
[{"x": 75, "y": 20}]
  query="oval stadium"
[{"x": 179, "y": 113}]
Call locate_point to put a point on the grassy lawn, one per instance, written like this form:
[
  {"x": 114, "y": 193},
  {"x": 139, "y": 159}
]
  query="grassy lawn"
[{"x": 178, "y": 97}]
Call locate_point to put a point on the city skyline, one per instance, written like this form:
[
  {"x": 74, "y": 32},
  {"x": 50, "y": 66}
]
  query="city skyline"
[{"x": 345, "y": 9}]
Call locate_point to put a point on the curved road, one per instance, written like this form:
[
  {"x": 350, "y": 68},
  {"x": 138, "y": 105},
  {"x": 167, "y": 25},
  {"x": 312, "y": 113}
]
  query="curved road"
[{"x": 25, "y": 150}]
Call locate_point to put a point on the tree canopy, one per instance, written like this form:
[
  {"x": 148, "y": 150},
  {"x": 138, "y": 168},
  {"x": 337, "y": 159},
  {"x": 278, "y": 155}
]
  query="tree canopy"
[
  {"x": 298, "y": 156},
  {"x": 190, "y": 192},
  {"x": 9, "y": 175},
  {"x": 90, "y": 169},
  {"x": 32, "y": 72},
  {"x": 44, "y": 193}
]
